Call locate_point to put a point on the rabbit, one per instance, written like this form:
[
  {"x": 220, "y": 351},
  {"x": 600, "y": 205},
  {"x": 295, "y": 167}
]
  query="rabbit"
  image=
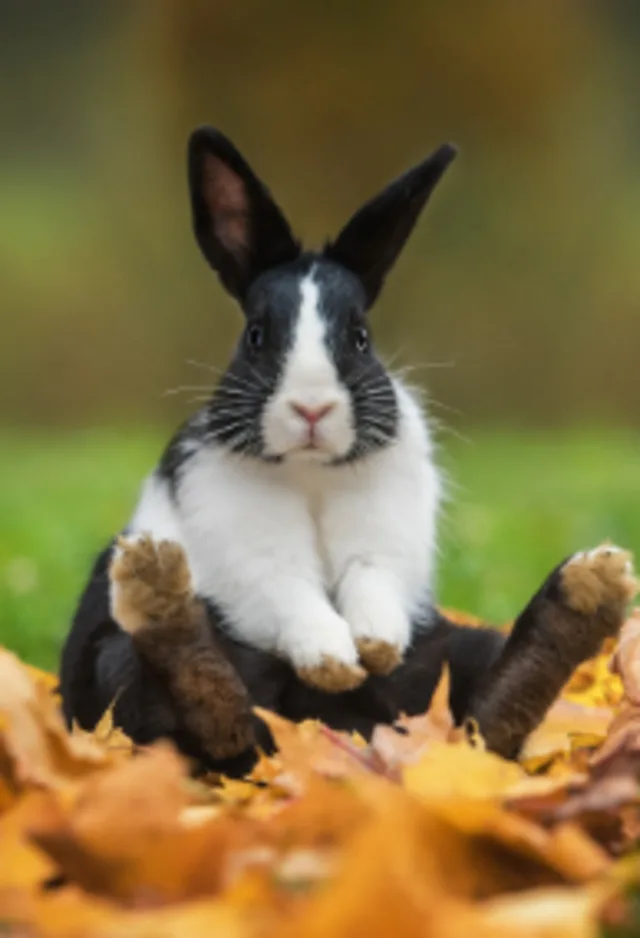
[
  {"x": 305, "y": 492},
  {"x": 281, "y": 553}
]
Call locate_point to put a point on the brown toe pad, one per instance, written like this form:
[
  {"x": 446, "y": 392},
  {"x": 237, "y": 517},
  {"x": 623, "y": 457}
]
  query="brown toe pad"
[
  {"x": 598, "y": 580},
  {"x": 150, "y": 582},
  {"x": 378, "y": 657},
  {"x": 332, "y": 675}
]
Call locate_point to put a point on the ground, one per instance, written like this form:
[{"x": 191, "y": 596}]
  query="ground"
[{"x": 519, "y": 502}]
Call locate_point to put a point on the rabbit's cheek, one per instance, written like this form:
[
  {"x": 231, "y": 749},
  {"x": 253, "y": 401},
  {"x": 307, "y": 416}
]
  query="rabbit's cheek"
[{"x": 335, "y": 434}]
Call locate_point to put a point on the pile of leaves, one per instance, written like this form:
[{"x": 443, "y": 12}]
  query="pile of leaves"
[{"x": 421, "y": 832}]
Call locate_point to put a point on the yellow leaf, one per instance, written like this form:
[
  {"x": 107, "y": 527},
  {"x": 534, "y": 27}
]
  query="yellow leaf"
[{"x": 461, "y": 770}]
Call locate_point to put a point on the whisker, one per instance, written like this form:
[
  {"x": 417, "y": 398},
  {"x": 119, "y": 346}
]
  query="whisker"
[
  {"x": 423, "y": 366},
  {"x": 259, "y": 378},
  {"x": 378, "y": 425},
  {"x": 244, "y": 382},
  {"x": 378, "y": 394},
  {"x": 207, "y": 367},
  {"x": 227, "y": 427},
  {"x": 447, "y": 407},
  {"x": 373, "y": 385},
  {"x": 188, "y": 387},
  {"x": 238, "y": 398},
  {"x": 389, "y": 360},
  {"x": 230, "y": 376},
  {"x": 445, "y": 428}
]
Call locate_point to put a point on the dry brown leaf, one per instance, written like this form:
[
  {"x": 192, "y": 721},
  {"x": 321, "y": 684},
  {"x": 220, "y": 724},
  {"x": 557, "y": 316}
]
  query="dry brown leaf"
[
  {"x": 198, "y": 919},
  {"x": 107, "y": 734},
  {"x": 22, "y": 864},
  {"x": 568, "y": 725},
  {"x": 544, "y": 913},
  {"x": 417, "y": 733},
  {"x": 124, "y": 836},
  {"x": 626, "y": 659},
  {"x": 566, "y": 849},
  {"x": 594, "y": 684},
  {"x": 309, "y": 748},
  {"x": 419, "y": 833},
  {"x": 33, "y": 739},
  {"x": 460, "y": 770},
  {"x": 614, "y": 768}
]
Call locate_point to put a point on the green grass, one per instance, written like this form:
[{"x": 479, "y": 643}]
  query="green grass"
[{"x": 518, "y": 503}]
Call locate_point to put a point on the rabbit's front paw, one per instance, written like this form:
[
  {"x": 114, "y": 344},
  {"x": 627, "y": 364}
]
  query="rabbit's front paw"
[
  {"x": 599, "y": 581},
  {"x": 150, "y": 582},
  {"x": 332, "y": 675},
  {"x": 381, "y": 636},
  {"x": 325, "y": 657},
  {"x": 372, "y": 603},
  {"x": 378, "y": 656}
]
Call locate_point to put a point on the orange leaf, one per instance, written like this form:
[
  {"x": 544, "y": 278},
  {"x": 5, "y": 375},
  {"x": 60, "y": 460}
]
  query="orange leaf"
[
  {"x": 33, "y": 738},
  {"x": 437, "y": 724}
]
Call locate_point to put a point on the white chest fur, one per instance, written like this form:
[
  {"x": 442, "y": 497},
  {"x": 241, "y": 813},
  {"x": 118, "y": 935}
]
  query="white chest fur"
[{"x": 303, "y": 558}]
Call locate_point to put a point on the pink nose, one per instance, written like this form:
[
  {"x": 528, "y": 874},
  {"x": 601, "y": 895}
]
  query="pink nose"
[{"x": 312, "y": 415}]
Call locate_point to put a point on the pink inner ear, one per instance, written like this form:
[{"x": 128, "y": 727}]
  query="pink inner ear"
[{"x": 225, "y": 195}]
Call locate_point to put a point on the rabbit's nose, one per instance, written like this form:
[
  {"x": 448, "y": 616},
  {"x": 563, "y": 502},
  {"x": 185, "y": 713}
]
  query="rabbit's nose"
[{"x": 312, "y": 415}]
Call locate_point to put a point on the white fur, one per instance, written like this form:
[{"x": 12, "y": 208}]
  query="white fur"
[
  {"x": 301, "y": 557},
  {"x": 309, "y": 379},
  {"x": 155, "y": 513}
]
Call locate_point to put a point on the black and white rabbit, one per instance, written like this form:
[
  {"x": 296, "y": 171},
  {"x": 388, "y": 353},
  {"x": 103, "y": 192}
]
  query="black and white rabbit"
[
  {"x": 281, "y": 553},
  {"x": 304, "y": 493}
]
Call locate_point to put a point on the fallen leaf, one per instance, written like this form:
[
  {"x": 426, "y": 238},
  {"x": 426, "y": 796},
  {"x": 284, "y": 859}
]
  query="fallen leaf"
[
  {"x": 544, "y": 913},
  {"x": 34, "y": 743},
  {"x": 403, "y": 743},
  {"x": 445, "y": 770},
  {"x": 626, "y": 659},
  {"x": 22, "y": 864},
  {"x": 418, "y": 833},
  {"x": 567, "y": 726}
]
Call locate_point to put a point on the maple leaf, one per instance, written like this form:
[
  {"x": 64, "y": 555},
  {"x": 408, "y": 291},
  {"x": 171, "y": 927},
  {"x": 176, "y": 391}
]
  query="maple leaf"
[
  {"x": 420, "y": 832},
  {"x": 410, "y": 736},
  {"x": 35, "y": 747}
]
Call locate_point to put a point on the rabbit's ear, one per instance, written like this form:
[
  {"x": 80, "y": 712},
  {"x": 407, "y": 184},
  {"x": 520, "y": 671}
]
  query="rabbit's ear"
[
  {"x": 370, "y": 242},
  {"x": 240, "y": 229}
]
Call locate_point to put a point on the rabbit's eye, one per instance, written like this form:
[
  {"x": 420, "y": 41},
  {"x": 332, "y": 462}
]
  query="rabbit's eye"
[
  {"x": 255, "y": 335},
  {"x": 361, "y": 338}
]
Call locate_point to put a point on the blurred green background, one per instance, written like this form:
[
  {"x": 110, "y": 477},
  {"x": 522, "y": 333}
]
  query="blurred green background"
[{"x": 516, "y": 299}]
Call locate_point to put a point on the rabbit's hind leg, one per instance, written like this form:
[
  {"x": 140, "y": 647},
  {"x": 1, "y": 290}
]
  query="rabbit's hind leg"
[
  {"x": 152, "y": 599},
  {"x": 150, "y": 585},
  {"x": 600, "y": 582},
  {"x": 582, "y": 602}
]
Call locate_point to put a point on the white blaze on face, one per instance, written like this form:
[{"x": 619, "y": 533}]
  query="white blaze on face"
[{"x": 309, "y": 382}]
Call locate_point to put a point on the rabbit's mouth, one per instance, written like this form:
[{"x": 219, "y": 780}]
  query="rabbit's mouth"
[
  {"x": 312, "y": 449},
  {"x": 306, "y": 427}
]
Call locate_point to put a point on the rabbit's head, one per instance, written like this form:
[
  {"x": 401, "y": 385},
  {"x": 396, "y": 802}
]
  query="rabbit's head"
[{"x": 304, "y": 381}]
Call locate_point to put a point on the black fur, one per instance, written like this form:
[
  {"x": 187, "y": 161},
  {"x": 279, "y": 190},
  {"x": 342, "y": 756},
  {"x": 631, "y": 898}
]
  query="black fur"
[
  {"x": 247, "y": 240},
  {"x": 232, "y": 418},
  {"x": 369, "y": 244},
  {"x": 342, "y": 306},
  {"x": 243, "y": 233},
  {"x": 100, "y": 664},
  {"x": 242, "y": 240}
]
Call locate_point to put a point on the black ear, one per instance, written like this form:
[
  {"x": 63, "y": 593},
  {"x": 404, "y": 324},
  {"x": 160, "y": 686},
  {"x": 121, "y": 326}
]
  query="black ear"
[
  {"x": 369, "y": 244},
  {"x": 240, "y": 229}
]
